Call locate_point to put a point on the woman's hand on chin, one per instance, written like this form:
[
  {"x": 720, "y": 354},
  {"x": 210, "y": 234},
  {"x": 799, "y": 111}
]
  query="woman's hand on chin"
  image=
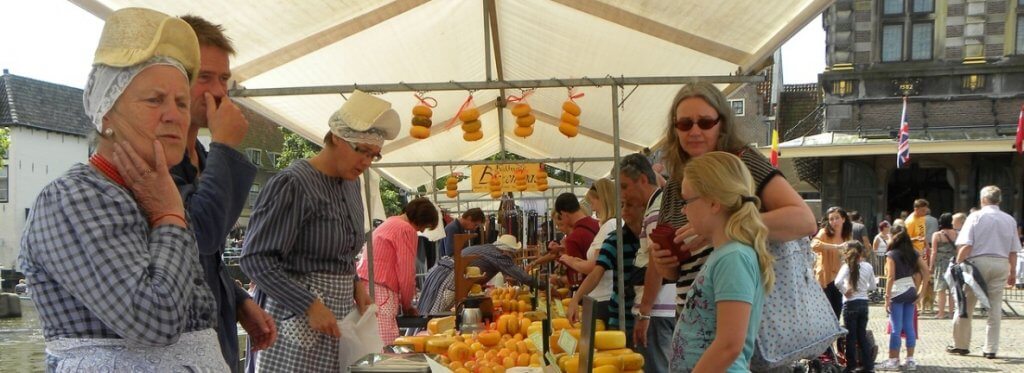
[{"x": 153, "y": 188}]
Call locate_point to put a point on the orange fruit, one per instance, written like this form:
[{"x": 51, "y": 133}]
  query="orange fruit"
[
  {"x": 570, "y": 107},
  {"x": 568, "y": 130}
]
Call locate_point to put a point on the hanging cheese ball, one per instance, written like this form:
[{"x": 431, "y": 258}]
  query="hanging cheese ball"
[
  {"x": 568, "y": 129},
  {"x": 422, "y": 121},
  {"x": 571, "y": 108},
  {"x": 521, "y": 109},
  {"x": 469, "y": 114},
  {"x": 526, "y": 120},
  {"x": 472, "y": 126},
  {"x": 422, "y": 110},
  {"x": 472, "y": 136},
  {"x": 419, "y": 132},
  {"x": 571, "y": 119},
  {"x": 523, "y": 131}
]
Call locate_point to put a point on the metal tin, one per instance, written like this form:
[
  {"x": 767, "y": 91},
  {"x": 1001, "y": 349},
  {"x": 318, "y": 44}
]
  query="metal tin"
[{"x": 391, "y": 363}]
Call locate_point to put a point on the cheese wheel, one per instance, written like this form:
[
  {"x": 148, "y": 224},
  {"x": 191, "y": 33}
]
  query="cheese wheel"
[
  {"x": 439, "y": 345},
  {"x": 568, "y": 129},
  {"x": 571, "y": 108},
  {"x": 606, "y": 369},
  {"x": 452, "y": 193},
  {"x": 609, "y": 339},
  {"x": 472, "y": 271},
  {"x": 417, "y": 343},
  {"x": 632, "y": 361},
  {"x": 422, "y": 110},
  {"x": 571, "y": 119},
  {"x": 441, "y": 324},
  {"x": 560, "y": 323},
  {"x": 471, "y": 126},
  {"x": 470, "y": 114},
  {"x": 526, "y": 121},
  {"x": 615, "y": 361},
  {"x": 418, "y": 132},
  {"x": 523, "y": 131},
  {"x": 472, "y": 136}
]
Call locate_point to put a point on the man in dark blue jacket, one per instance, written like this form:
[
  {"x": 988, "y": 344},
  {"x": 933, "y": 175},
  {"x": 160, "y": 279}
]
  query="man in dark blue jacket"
[
  {"x": 214, "y": 186},
  {"x": 470, "y": 221}
]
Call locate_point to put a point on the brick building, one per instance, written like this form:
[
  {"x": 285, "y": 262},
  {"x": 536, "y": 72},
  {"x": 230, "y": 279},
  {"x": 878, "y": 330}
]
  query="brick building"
[{"x": 960, "y": 63}]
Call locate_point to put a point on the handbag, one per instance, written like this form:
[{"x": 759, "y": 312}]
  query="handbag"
[{"x": 797, "y": 321}]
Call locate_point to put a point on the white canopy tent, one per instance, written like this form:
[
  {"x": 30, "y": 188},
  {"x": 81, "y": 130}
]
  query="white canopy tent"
[
  {"x": 345, "y": 42},
  {"x": 331, "y": 42}
]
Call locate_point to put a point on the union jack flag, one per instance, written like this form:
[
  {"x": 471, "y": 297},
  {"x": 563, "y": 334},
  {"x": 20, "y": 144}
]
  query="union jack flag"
[{"x": 903, "y": 149}]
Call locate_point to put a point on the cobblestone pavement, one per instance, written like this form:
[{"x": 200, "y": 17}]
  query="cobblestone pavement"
[{"x": 935, "y": 334}]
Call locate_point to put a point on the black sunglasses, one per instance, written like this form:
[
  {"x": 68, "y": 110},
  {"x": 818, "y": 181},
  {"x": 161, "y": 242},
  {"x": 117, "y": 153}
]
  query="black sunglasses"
[{"x": 686, "y": 124}]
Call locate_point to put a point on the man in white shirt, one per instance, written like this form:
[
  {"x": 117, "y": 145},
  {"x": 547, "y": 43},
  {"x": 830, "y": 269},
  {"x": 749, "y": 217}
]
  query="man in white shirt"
[{"x": 988, "y": 240}]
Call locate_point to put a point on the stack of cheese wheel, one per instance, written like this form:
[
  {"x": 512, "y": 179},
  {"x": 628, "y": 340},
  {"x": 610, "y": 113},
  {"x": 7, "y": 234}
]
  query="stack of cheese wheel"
[
  {"x": 570, "y": 125},
  {"x": 495, "y": 186},
  {"x": 541, "y": 179},
  {"x": 524, "y": 119},
  {"x": 521, "y": 178},
  {"x": 470, "y": 118},
  {"x": 451, "y": 186},
  {"x": 611, "y": 356},
  {"x": 421, "y": 121}
]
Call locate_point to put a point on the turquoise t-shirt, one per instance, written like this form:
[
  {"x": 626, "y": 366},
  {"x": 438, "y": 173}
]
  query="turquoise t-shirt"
[{"x": 730, "y": 274}]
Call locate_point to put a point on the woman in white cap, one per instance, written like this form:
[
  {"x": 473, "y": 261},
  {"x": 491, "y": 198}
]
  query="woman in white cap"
[
  {"x": 438, "y": 294},
  {"x": 305, "y": 231},
  {"x": 108, "y": 248}
]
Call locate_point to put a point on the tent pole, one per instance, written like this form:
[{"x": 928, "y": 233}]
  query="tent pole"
[
  {"x": 496, "y": 161},
  {"x": 618, "y": 206},
  {"x": 498, "y": 84},
  {"x": 487, "y": 40},
  {"x": 369, "y": 242}
]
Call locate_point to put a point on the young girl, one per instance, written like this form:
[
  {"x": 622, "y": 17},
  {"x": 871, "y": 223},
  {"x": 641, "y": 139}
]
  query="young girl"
[
  {"x": 855, "y": 279},
  {"x": 904, "y": 270},
  {"x": 722, "y": 314}
]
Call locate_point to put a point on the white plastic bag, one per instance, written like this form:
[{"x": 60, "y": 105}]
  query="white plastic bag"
[{"x": 359, "y": 336}]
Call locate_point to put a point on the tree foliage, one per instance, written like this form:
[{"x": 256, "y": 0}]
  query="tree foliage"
[
  {"x": 5, "y": 143},
  {"x": 297, "y": 147}
]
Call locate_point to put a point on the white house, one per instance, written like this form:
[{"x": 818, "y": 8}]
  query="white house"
[{"x": 48, "y": 134}]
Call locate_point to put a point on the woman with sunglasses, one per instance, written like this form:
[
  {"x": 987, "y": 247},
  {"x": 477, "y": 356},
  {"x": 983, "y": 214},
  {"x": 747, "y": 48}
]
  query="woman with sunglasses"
[
  {"x": 305, "y": 231},
  {"x": 702, "y": 121}
]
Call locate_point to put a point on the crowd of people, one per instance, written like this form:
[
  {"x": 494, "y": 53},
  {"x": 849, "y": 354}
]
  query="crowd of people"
[{"x": 123, "y": 254}]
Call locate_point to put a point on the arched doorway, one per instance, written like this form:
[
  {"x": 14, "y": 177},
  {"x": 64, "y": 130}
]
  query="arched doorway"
[{"x": 933, "y": 183}]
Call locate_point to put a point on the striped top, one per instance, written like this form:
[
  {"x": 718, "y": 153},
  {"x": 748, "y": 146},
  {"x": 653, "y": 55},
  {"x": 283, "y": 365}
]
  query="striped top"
[
  {"x": 608, "y": 259},
  {"x": 761, "y": 171},
  {"x": 303, "y": 222},
  {"x": 97, "y": 270},
  {"x": 394, "y": 258}
]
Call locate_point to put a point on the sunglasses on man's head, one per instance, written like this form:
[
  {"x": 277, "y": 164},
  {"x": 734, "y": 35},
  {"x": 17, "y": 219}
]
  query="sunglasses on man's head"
[{"x": 686, "y": 124}]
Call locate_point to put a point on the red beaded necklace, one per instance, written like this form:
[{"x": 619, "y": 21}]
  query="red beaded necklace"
[{"x": 107, "y": 168}]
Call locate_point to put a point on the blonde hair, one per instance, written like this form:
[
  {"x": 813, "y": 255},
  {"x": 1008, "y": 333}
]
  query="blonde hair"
[
  {"x": 722, "y": 177},
  {"x": 674, "y": 157},
  {"x": 604, "y": 190}
]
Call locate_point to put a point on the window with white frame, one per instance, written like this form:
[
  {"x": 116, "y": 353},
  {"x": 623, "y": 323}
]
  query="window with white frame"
[
  {"x": 254, "y": 191},
  {"x": 738, "y": 106},
  {"x": 255, "y": 156},
  {"x": 272, "y": 157}
]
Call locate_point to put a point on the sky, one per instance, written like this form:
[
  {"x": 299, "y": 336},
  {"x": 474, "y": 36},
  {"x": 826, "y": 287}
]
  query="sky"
[{"x": 59, "y": 40}]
